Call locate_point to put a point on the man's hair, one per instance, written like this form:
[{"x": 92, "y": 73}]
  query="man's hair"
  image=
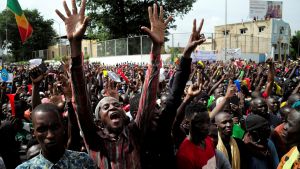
[
  {"x": 134, "y": 103},
  {"x": 194, "y": 108},
  {"x": 199, "y": 118},
  {"x": 47, "y": 107},
  {"x": 252, "y": 103},
  {"x": 20, "y": 107}
]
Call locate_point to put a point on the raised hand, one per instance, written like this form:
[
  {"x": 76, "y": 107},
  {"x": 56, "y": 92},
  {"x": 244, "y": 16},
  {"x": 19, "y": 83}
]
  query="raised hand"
[
  {"x": 36, "y": 75},
  {"x": 194, "y": 90},
  {"x": 196, "y": 38},
  {"x": 231, "y": 90},
  {"x": 158, "y": 26},
  {"x": 66, "y": 87},
  {"x": 75, "y": 23}
]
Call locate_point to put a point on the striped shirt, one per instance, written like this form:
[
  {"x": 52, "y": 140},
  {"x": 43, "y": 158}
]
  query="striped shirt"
[{"x": 108, "y": 153}]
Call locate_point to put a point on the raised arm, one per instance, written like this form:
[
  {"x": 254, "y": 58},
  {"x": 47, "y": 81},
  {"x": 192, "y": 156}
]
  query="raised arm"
[
  {"x": 216, "y": 85},
  {"x": 76, "y": 24},
  {"x": 271, "y": 74},
  {"x": 36, "y": 81},
  {"x": 178, "y": 133},
  {"x": 157, "y": 35},
  {"x": 231, "y": 89}
]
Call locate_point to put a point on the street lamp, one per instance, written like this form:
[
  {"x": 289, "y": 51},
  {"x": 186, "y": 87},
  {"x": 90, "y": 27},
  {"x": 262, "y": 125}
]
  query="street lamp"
[{"x": 59, "y": 45}]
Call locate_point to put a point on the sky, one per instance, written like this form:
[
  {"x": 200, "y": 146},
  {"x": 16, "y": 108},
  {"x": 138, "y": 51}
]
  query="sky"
[{"x": 213, "y": 12}]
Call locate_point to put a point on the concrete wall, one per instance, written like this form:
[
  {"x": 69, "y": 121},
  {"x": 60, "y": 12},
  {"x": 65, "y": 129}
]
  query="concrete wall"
[
  {"x": 253, "y": 40},
  {"x": 247, "y": 56},
  {"x": 111, "y": 60}
]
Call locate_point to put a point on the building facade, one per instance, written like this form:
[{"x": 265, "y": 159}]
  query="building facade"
[{"x": 270, "y": 37}]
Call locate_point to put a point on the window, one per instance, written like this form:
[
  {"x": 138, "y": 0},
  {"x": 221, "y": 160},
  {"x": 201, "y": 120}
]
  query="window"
[
  {"x": 281, "y": 30},
  {"x": 227, "y": 32},
  {"x": 261, "y": 28},
  {"x": 243, "y": 31}
]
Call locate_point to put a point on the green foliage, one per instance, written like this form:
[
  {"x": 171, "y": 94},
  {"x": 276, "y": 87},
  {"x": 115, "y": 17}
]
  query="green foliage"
[
  {"x": 57, "y": 58},
  {"x": 111, "y": 19},
  {"x": 41, "y": 38},
  {"x": 294, "y": 45},
  {"x": 86, "y": 57},
  {"x": 174, "y": 54}
]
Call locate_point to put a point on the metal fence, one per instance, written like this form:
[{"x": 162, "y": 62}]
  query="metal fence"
[
  {"x": 142, "y": 45},
  {"x": 124, "y": 46}
]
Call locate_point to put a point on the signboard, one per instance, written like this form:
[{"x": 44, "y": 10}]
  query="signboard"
[
  {"x": 232, "y": 53},
  {"x": 274, "y": 9},
  {"x": 113, "y": 76},
  {"x": 4, "y": 75},
  {"x": 34, "y": 62},
  {"x": 203, "y": 56},
  {"x": 265, "y": 9},
  {"x": 9, "y": 79}
]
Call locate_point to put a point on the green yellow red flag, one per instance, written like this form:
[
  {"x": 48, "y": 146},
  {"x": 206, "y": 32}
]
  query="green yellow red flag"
[{"x": 24, "y": 26}]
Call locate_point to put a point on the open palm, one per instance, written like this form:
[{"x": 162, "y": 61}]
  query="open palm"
[
  {"x": 158, "y": 25},
  {"x": 76, "y": 23}
]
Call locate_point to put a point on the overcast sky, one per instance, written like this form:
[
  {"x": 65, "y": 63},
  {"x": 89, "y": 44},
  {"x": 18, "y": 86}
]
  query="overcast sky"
[{"x": 213, "y": 11}]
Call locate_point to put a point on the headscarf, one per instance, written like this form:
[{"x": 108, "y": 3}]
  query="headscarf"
[{"x": 235, "y": 152}]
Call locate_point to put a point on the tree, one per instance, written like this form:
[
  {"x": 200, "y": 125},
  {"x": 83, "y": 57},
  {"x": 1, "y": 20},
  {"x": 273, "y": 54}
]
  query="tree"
[
  {"x": 42, "y": 36},
  {"x": 111, "y": 19},
  {"x": 295, "y": 45}
]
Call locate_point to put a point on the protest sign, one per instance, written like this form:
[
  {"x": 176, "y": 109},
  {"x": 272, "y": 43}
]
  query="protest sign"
[{"x": 113, "y": 76}]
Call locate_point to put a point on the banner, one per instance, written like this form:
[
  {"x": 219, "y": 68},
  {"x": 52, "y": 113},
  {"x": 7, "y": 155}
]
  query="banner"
[
  {"x": 260, "y": 9},
  {"x": 4, "y": 75},
  {"x": 232, "y": 53},
  {"x": 203, "y": 56},
  {"x": 34, "y": 62},
  {"x": 265, "y": 9},
  {"x": 9, "y": 79},
  {"x": 113, "y": 76},
  {"x": 274, "y": 9}
]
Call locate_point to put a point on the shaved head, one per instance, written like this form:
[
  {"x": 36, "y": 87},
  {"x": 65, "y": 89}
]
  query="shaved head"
[{"x": 220, "y": 116}]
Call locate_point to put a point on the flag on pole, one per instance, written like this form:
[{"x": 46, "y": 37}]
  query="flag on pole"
[{"x": 24, "y": 26}]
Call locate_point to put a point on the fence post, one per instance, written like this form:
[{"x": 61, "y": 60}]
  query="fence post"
[
  {"x": 104, "y": 48},
  {"x": 127, "y": 52},
  {"x": 115, "y": 47},
  {"x": 141, "y": 44},
  {"x": 212, "y": 41}
]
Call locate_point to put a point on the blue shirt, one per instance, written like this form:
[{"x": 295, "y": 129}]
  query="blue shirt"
[
  {"x": 257, "y": 163},
  {"x": 70, "y": 160}
]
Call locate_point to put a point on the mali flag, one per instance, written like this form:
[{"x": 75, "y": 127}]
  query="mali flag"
[{"x": 24, "y": 27}]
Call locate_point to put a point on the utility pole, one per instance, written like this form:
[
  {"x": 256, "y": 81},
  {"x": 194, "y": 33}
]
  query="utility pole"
[
  {"x": 59, "y": 44},
  {"x": 225, "y": 37}
]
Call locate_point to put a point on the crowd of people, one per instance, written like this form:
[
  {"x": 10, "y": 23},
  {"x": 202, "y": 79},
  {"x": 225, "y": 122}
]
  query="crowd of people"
[{"x": 226, "y": 114}]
